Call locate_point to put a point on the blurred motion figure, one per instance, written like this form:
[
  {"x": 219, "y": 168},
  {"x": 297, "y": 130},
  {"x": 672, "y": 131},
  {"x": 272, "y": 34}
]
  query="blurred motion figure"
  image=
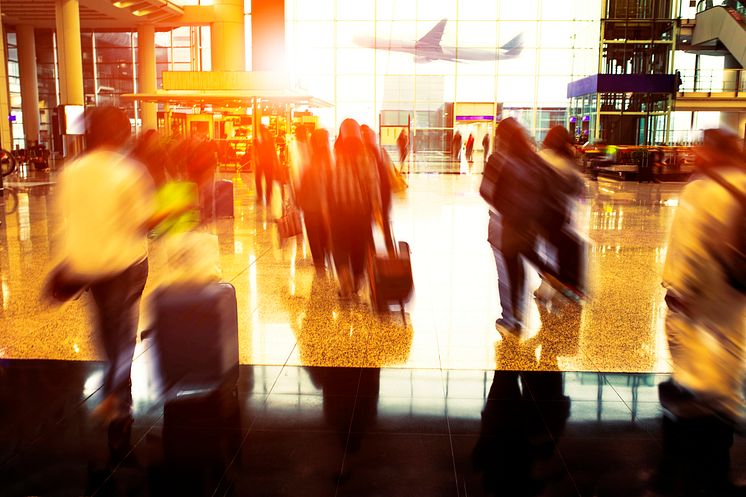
[
  {"x": 355, "y": 201},
  {"x": 705, "y": 324},
  {"x": 313, "y": 198},
  {"x": 106, "y": 203}
]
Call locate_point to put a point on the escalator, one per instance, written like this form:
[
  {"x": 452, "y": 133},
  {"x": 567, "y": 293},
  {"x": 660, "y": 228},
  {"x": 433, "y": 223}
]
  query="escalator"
[{"x": 722, "y": 28}]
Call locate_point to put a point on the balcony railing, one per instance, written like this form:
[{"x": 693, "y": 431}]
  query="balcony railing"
[{"x": 713, "y": 81}]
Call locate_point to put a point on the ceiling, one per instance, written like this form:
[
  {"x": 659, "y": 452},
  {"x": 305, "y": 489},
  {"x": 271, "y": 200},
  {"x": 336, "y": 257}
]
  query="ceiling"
[{"x": 94, "y": 14}]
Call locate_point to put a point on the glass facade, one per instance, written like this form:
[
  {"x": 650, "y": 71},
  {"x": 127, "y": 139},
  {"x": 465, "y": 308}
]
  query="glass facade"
[
  {"x": 109, "y": 71},
  {"x": 515, "y": 56}
]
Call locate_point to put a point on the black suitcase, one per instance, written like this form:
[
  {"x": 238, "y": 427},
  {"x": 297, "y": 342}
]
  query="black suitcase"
[
  {"x": 391, "y": 279},
  {"x": 223, "y": 198},
  {"x": 196, "y": 331}
]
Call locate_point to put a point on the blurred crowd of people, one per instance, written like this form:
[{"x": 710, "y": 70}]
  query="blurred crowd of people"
[{"x": 344, "y": 190}]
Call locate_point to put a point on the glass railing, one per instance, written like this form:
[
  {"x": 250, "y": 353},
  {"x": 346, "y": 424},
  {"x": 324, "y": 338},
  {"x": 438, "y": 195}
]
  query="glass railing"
[
  {"x": 733, "y": 4},
  {"x": 713, "y": 80}
]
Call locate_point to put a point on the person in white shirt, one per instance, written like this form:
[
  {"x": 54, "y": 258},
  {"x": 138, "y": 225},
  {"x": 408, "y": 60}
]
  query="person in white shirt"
[
  {"x": 706, "y": 318},
  {"x": 106, "y": 203}
]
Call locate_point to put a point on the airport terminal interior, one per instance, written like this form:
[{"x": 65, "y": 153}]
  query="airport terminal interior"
[{"x": 334, "y": 397}]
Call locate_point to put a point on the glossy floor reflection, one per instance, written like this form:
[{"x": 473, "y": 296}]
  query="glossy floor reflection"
[
  {"x": 287, "y": 316},
  {"x": 317, "y": 431}
]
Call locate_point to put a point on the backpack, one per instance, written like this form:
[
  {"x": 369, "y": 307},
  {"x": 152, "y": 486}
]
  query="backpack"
[
  {"x": 523, "y": 192},
  {"x": 734, "y": 262}
]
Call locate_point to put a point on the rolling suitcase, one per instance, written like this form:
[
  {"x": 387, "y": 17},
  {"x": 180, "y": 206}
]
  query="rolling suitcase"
[
  {"x": 223, "y": 198},
  {"x": 391, "y": 278},
  {"x": 196, "y": 328}
]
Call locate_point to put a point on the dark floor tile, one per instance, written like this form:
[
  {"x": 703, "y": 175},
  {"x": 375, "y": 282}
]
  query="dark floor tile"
[
  {"x": 305, "y": 412},
  {"x": 490, "y": 466},
  {"x": 588, "y": 386},
  {"x": 317, "y": 380},
  {"x": 610, "y": 468},
  {"x": 286, "y": 463},
  {"x": 398, "y": 465},
  {"x": 400, "y": 415},
  {"x": 589, "y": 419},
  {"x": 467, "y": 384},
  {"x": 404, "y": 383},
  {"x": 637, "y": 387},
  {"x": 465, "y": 415}
]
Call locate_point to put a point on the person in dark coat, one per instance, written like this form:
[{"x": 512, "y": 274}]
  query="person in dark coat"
[
  {"x": 469, "y": 148},
  {"x": 384, "y": 182},
  {"x": 267, "y": 165},
  {"x": 403, "y": 143},
  {"x": 313, "y": 198},
  {"x": 486, "y": 146}
]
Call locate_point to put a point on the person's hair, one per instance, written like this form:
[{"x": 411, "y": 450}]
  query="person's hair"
[
  {"x": 301, "y": 133},
  {"x": 107, "y": 127},
  {"x": 560, "y": 141},
  {"x": 721, "y": 148},
  {"x": 511, "y": 138}
]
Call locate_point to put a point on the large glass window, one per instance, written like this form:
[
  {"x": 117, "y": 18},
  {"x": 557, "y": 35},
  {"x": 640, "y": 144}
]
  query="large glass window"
[{"x": 374, "y": 58}]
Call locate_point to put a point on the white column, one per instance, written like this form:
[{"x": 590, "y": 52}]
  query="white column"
[
  {"x": 69, "y": 51},
  {"x": 146, "y": 75},
  {"x": 227, "y": 36},
  {"x": 60, "y": 43},
  {"x": 29, "y": 83}
]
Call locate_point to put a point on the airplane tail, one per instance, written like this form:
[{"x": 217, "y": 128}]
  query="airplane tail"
[
  {"x": 433, "y": 37},
  {"x": 513, "y": 48}
]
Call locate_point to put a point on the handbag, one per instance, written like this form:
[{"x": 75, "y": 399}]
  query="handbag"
[
  {"x": 61, "y": 286},
  {"x": 289, "y": 224}
]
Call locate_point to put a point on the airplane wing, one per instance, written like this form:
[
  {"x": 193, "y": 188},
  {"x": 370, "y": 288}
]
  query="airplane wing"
[{"x": 433, "y": 37}]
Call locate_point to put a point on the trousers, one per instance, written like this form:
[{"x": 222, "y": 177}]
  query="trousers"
[{"x": 117, "y": 302}]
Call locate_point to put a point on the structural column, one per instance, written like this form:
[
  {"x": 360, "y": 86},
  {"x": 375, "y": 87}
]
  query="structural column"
[
  {"x": 29, "y": 83},
  {"x": 146, "y": 75},
  {"x": 268, "y": 35},
  {"x": 227, "y": 36},
  {"x": 5, "y": 138},
  {"x": 69, "y": 52}
]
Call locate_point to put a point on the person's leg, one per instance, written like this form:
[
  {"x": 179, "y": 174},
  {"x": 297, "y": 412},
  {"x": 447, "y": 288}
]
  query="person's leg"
[
  {"x": 359, "y": 252},
  {"x": 258, "y": 178},
  {"x": 503, "y": 286},
  {"x": 117, "y": 302},
  {"x": 315, "y": 234}
]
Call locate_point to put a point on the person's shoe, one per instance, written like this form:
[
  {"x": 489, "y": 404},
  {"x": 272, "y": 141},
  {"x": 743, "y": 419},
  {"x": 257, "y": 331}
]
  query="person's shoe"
[{"x": 509, "y": 326}]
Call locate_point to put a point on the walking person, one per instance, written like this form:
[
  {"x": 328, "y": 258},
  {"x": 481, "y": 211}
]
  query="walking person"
[
  {"x": 355, "y": 201},
  {"x": 469, "y": 148},
  {"x": 518, "y": 200},
  {"x": 705, "y": 282},
  {"x": 402, "y": 143},
  {"x": 382, "y": 163},
  {"x": 201, "y": 168},
  {"x": 486, "y": 146},
  {"x": 106, "y": 203},
  {"x": 313, "y": 198},
  {"x": 267, "y": 166},
  {"x": 563, "y": 249}
]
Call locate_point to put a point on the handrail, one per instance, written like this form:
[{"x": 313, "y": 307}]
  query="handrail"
[{"x": 713, "y": 80}]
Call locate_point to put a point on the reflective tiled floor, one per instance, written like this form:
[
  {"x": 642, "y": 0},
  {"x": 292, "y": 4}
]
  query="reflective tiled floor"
[
  {"x": 289, "y": 316},
  {"x": 317, "y": 431},
  {"x": 437, "y": 405}
]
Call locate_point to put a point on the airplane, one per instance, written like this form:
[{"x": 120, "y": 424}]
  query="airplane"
[{"x": 428, "y": 48}]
